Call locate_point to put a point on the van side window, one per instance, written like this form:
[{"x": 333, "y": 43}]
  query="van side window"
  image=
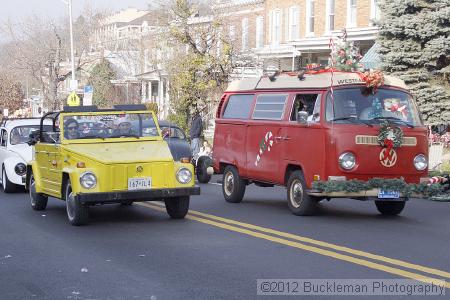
[
  {"x": 309, "y": 103},
  {"x": 270, "y": 107},
  {"x": 238, "y": 107}
]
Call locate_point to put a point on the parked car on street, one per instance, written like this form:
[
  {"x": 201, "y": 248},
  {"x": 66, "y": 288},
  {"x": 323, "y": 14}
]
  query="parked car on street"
[
  {"x": 124, "y": 161},
  {"x": 295, "y": 130},
  {"x": 15, "y": 152}
]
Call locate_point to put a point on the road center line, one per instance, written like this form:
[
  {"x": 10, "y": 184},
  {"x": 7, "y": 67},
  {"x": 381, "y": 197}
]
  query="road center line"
[{"x": 317, "y": 250}]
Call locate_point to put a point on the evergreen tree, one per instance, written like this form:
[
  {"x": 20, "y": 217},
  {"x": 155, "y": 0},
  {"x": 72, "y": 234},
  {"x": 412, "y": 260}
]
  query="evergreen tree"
[
  {"x": 100, "y": 79},
  {"x": 415, "y": 46}
]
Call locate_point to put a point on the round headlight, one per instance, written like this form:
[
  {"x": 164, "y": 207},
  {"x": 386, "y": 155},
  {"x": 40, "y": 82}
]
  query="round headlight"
[
  {"x": 20, "y": 169},
  {"x": 420, "y": 162},
  {"x": 347, "y": 161},
  {"x": 88, "y": 180},
  {"x": 184, "y": 175}
]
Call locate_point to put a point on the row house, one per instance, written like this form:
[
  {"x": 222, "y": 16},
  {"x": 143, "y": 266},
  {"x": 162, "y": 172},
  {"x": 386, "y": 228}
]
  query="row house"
[{"x": 288, "y": 34}]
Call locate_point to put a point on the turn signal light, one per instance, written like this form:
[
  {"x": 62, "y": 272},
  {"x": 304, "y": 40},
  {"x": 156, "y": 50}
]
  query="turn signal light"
[
  {"x": 81, "y": 165},
  {"x": 316, "y": 177},
  {"x": 185, "y": 160}
]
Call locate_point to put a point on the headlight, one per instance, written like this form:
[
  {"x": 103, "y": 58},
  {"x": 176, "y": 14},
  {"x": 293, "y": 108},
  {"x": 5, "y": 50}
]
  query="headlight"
[
  {"x": 347, "y": 160},
  {"x": 88, "y": 180},
  {"x": 20, "y": 169},
  {"x": 184, "y": 175},
  {"x": 420, "y": 162}
]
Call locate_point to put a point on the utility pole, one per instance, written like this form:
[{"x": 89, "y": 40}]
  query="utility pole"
[{"x": 73, "y": 82}]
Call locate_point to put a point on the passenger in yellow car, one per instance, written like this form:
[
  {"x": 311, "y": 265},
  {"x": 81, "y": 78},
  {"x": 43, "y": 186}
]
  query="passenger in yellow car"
[
  {"x": 71, "y": 129},
  {"x": 124, "y": 128}
]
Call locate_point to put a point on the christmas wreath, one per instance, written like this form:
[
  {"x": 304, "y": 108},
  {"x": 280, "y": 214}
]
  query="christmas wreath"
[{"x": 390, "y": 136}]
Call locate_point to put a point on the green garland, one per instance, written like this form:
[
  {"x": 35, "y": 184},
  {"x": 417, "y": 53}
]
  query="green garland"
[{"x": 355, "y": 185}]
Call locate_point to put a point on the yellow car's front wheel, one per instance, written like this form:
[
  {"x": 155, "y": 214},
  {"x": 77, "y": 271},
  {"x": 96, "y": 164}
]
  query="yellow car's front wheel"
[
  {"x": 77, "y": 213},
  {"x": 177, "y": 207}
]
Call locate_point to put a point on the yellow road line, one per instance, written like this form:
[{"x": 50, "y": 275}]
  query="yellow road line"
[{"x": 321, "y": 251}]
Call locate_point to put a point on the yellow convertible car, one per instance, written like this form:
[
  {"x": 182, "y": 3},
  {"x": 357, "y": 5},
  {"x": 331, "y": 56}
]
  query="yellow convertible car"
[{"x": 98, "y": 156}]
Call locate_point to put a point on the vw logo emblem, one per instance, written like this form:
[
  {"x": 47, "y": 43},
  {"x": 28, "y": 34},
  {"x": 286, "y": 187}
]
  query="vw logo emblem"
[
  {"x": 139, "y": 169},
  {"x": 388, "y": 159}
]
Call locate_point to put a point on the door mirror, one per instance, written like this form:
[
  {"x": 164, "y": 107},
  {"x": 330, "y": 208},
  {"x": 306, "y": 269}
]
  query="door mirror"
[{"x": 302, "y": 117}]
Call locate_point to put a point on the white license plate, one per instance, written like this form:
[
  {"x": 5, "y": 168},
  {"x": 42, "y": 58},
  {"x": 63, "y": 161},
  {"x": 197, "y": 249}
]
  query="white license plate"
[
  {"x": 144, "y": 183},
  {"x": 388, "y": 194}
]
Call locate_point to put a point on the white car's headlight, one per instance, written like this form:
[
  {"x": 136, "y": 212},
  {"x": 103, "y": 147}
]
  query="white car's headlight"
[
  {"x": 20, "y": 169},
  {"x": 420, "y": 162},
  {"x": 184, "y": 175},
  {"x": 347, "y": 160},
  {"x": 88, "y": 180}
]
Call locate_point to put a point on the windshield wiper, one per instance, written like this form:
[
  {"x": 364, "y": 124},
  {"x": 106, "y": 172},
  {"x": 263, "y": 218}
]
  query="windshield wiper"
[
  {"x": 394, "y": 119},
  {"x": 91, "y": 137},
  {"x": 125, "y": 135},
  {"x": 353, "y": 120}
]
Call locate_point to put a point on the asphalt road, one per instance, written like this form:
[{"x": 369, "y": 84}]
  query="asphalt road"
[{"x": 219, "y": 251}]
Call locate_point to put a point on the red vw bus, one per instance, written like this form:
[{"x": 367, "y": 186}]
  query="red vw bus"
[{"x": 293, "y": 130}]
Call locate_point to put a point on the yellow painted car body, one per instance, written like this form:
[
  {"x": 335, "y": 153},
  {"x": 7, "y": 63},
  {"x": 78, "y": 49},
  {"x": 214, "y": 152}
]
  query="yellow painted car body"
[{"x": 115, "y": 162}]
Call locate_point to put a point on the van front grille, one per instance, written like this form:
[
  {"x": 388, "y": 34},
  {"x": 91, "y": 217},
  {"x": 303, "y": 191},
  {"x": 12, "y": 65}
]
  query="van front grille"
[{"x": 372, "y": 140}]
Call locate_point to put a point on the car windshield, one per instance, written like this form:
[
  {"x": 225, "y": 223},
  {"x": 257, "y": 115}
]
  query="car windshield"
[
  {"x": 103, "y": 126},
  {"x": 359, "y": 106},
  {"x": 21, "y": 134},
  {"x": 172, "y": 132}
]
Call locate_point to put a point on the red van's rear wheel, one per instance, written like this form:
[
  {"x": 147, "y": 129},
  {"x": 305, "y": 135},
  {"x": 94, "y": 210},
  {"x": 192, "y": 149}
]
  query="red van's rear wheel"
[
  {"x": 233, "y": 186},
  {"x": 299, "y": 202}
]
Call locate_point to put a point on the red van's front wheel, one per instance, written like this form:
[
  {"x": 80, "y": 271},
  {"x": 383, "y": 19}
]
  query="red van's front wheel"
[
  {"x": 299, "y": 202},
  {"x": 233, "y": 186}
]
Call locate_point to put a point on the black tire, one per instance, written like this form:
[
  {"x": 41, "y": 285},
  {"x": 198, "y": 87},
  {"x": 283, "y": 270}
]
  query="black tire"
[
  {"x": 299, "y": 202},
  {"x": 202, "y": 166},
  {"x": 178, "y": 207},
  {"x": 77, "y": 213},
  {"x": 126, "y": 203},
  {"x": 38, "y": 200},
  {"x": 8, "y": 186},
  {"x": 390, "y": 208},
  {"x": 233, "y": 186}
]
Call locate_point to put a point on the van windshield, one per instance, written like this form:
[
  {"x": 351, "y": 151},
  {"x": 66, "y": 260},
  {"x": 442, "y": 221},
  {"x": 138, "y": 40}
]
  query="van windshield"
[{"x": 357, "y": 105}]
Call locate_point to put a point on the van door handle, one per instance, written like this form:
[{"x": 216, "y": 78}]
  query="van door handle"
[{"x": 282, "y": 138}]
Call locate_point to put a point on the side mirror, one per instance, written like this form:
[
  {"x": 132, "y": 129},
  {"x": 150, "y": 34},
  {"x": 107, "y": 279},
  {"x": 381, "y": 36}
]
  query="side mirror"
[{"x": 302, "y": 117}]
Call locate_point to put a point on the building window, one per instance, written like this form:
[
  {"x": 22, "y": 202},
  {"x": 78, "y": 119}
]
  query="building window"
[
  {"x": 259, "y": 32},
  {"x": 293, "y": 23},
  {"x": 331, "y": 4},
  {"x": 232, "y": 32},
  {"x": 374, "y": 11},
  {"x": 351, "y": 13},
  {"x": 276, "y": 26},
  {"x": 310, "y": 17},
  {"x": 244, "y": 33}
]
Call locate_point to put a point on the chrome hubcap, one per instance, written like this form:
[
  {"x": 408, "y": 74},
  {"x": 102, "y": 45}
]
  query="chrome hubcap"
[
  {"x": 32, "y": 191},
  {"x": 70, "y": 205},
  {"x": 229, "y": 183},
  {"x": 296, "y": 193}
]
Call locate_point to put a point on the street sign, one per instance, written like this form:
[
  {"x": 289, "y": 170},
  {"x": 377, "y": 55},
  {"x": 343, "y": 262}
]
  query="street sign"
[
  {"x": 73, "y": 99},
  {"x": 88, "y": 92}
]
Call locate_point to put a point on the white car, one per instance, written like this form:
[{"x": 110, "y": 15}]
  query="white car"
[{"x": 15, "y": 152}]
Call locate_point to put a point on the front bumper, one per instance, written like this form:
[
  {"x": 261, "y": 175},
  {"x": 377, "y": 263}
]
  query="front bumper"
[
  {"x": 362, "y": 194},
  {"x": 136, "y": 196}
]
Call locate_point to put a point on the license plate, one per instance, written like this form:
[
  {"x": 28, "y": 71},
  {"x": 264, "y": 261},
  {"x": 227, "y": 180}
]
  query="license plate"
[
  {"x": 144, "y": 183},
  {"x": 388, "y": 194}
]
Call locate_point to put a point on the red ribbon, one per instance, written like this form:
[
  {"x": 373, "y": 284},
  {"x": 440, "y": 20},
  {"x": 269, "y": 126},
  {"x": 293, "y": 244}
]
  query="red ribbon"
[{"x": 389, "y": 144}]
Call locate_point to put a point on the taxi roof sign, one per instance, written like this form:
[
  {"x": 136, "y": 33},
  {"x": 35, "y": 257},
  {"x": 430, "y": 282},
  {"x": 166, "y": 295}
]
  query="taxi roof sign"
[{"x": 73, "y": 99}]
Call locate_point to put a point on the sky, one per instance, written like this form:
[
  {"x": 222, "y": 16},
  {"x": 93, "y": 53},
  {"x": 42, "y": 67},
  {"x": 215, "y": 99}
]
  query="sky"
[{"x": 19, "y": 9}]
